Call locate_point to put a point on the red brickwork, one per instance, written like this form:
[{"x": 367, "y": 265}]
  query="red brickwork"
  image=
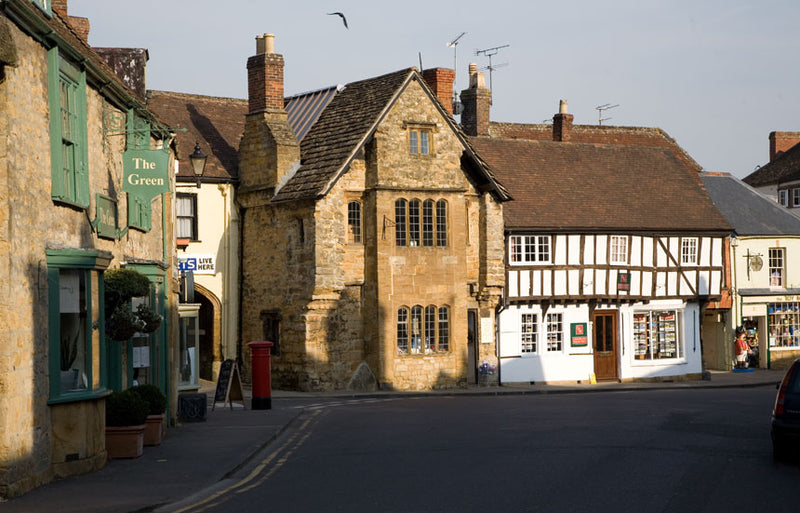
[
  {"x": 779, "y": 142},
  {"x": 562, "y": 127},
  {"x": 265, "y": 81},
  {"x": 440, "y": 80}
]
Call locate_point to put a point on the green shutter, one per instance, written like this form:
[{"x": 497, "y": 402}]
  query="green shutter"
[
  {"x": 56, "y": 169},
  {"x": 139, "y": 212},
  {"x": 82, "y": 151}
]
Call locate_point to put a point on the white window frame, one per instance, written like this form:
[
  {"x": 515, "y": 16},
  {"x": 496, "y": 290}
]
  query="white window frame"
[
  {"x": 529, "y": 333},
  {"x": 795, "y": 197},
  {"x": 618, "y": 250},
  {"x": 783, "y": 197},
  {"x": 651, "y": 335},
  {"x": 689, "y": 250},
  {"x": 530, "y": 249},
  {"x": 777, "y": 267},
  {"x": 555, "y": 332}
]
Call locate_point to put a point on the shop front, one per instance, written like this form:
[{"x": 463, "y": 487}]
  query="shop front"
[
  {"x": 772, "y": 324},
  {"x": 585, "y": 342}
]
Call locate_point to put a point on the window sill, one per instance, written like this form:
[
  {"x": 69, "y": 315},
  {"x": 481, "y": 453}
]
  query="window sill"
[{"x": 74, "y": 397}]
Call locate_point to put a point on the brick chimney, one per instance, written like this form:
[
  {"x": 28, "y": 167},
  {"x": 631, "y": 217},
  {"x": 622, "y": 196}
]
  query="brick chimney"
[
  {"x": 779, "y": 142},
  {"x": 562, "y": 123},
  {"x": 268, "y": 151},
  {"x": 265, "y": 76},
  {"x": 60, "y": 6},
  {"x": 440, "y": 81},
  {"x": 477, "y": 100}
]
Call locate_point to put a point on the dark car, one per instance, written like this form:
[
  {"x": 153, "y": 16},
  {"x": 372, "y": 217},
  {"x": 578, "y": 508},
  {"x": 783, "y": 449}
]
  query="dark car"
[{"x": 786, "y": 415}]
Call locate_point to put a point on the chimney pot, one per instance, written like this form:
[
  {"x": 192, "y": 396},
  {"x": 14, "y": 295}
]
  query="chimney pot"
[
  {"x": 265, "y": 44},
  {"x": 562, "y": 107}
]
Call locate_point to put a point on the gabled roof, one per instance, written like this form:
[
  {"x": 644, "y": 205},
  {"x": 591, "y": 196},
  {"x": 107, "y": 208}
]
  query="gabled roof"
[
  {"x": 747, "y": 211},
  {"x": 217, "y": 123},
  {"x": 567, "y": 186},
  {"x": 785, "y": 168},
  {"x": 347, "y": 123}
]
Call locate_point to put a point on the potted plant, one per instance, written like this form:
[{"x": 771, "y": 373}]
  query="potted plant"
[
  {"x": 122, "y": 322},
  {"x": 157, "y": 406},
  {"x": 126, "y": 413}
]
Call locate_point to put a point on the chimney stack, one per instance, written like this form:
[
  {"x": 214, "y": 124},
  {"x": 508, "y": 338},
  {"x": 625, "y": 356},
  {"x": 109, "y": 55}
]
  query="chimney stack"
[
  {"x": 562, "y": 123},
  {"x": 268, "y": 150},
  {"x": 779, "y": 142},
  {"x": 440, "y": 81},
  {"x": 477, "y": 100},
  {"x": 265, "y": 76}
]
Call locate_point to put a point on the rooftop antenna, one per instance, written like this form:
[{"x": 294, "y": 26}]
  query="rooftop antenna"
[
  {"x": 601, "y": 109},
  {"x": 454, "y": 45},
  {"x": 489, "y": 52}
]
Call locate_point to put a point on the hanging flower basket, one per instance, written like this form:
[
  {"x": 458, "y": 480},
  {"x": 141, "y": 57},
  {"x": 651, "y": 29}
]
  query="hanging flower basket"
[{"x": 122, "y": 322}]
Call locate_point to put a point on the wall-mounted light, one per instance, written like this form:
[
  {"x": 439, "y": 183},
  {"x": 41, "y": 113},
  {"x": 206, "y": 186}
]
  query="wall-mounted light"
[{"x": 198, "y": 161}]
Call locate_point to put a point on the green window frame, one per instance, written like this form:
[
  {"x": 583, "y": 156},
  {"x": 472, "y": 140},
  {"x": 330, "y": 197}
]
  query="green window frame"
[
  {"x": 76, "y": 325},
  {"x": 69, "y": 155}
]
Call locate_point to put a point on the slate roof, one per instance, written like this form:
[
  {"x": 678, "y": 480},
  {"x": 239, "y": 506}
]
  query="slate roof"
[
  {"x": 785, "y": 168},
  {"x": 217, "y": 123},
  {"x": 747, "y": 211},
  {"x": 581, "y": 187},
  {"x": 346, "y": 124}
]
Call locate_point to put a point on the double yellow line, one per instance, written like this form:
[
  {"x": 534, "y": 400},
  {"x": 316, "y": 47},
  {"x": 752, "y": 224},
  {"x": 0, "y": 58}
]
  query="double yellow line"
[{"x": 257, "y": 476}]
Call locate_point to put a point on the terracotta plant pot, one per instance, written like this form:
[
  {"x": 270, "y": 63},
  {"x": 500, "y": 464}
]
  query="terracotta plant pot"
[
  {"x": 154, "y": 429},
  {"x": 124, "y": 441}
]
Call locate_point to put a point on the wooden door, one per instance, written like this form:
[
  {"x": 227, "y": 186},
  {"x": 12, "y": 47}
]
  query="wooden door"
[{"x": 605, "y": 344}]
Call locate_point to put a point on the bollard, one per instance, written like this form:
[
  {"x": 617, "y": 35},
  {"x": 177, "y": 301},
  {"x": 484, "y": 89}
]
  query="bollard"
[{"x": 262, "y": 386}]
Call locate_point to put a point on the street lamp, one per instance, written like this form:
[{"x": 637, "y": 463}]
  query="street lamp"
[{"x": 198, "y": 161}]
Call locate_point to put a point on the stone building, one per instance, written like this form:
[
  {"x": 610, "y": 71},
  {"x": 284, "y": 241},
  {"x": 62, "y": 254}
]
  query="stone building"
[
  {"x": 372, "y": 249},
  {"x": 78, "y": 153},
  {"x": 613, "y": 249}
]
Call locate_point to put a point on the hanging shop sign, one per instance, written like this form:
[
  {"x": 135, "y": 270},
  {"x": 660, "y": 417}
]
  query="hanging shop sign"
[
  {"x": 578, "y": 336},
  {"x": 197, "y": 263},
  {"x": 146, "y": 172},
  {"x": 624, "y": 281},
  {"x": 106, "y": 217}
]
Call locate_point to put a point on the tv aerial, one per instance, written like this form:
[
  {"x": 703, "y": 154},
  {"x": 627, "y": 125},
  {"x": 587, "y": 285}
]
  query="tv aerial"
[
  {"x": 601, "y": 109},
  {"x": 489, "y": 52},
  {"x": 457, "y": 107}
]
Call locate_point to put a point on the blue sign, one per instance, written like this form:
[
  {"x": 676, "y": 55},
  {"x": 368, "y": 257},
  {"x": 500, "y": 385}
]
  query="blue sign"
[{"x": 189, "y": 264}]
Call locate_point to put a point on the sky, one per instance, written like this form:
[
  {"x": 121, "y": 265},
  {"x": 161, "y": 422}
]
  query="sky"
[{"x": 716, "y": 75}]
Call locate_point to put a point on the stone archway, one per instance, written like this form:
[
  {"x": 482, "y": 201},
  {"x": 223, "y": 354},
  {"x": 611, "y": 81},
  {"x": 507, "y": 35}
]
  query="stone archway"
[{"x": 209, "y": 324}]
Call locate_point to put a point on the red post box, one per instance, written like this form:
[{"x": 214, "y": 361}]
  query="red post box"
[{"x": 262, "y": 386}]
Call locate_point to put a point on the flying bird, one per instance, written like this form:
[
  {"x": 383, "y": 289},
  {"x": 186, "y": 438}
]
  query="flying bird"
[{"x": 344, "y": 20}]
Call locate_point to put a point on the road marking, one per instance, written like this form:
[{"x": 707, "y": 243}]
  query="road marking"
[
  {"x": 245, "y": 484},
  {"x": 320, "y": 406}
]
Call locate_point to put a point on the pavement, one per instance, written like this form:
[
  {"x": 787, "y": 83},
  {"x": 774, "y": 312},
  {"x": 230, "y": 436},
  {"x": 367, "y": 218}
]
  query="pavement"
[{"x": 196, "y": 456}]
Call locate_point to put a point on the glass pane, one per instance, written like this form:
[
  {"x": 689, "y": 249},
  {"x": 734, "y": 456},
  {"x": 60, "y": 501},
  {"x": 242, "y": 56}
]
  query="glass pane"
[
  {"x": 444, "y": 329},
  {"x": 400, "y": 222},
  {"x": 413, "y": 223},
  {"x": 441, "y": 223},
  {"x": 402, "y": 331},
  {"x": 416, "y": 329},
  {"x": 73, "y": 348},
  {"x": 423, "y": 142},
  {"x": 412, "y": 142},
  {"x": 427, "y": 223}
]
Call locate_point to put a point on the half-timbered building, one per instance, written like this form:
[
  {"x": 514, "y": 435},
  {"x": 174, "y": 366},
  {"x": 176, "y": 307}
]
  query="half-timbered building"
[{"x": 612, "y": 252}]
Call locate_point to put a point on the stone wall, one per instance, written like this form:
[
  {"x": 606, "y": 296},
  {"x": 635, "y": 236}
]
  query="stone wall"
[{"x": 39, "y": 441}]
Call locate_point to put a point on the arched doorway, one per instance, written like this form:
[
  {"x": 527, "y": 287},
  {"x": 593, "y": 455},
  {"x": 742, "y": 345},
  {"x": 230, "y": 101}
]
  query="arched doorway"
[{"x": 209, "y": 325}]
